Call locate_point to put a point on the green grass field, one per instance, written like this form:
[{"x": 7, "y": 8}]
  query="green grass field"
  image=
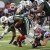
[{"x": 4, "y": 44}]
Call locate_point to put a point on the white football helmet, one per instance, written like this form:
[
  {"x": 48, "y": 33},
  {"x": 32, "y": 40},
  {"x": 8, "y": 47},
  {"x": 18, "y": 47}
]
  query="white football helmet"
[{"x": 4, "y": 19}]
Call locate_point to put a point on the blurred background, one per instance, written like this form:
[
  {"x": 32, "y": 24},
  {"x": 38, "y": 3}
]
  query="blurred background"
[{"x": 16, "y": 1}]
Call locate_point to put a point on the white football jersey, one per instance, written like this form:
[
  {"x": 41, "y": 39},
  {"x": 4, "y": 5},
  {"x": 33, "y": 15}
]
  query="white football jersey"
[
  {"x": 11, "y": 19},
  {"x": 39, "y": 2}
]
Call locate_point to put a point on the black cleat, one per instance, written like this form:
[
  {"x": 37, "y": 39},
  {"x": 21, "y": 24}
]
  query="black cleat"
[
  {"x": 15, "y": 43},
  {"x": 34, "y": 45},
  {"x": 1, "y": 37}
]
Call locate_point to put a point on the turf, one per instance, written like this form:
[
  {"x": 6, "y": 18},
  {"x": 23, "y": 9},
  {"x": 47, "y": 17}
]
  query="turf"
[{"x": 4, "y": 44}]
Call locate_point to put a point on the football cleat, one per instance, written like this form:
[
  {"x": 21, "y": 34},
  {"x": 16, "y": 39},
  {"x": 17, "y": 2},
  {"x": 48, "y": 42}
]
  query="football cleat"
[
  {"x": 34, "y": 45},
  {"x": 1, "y": 37}
]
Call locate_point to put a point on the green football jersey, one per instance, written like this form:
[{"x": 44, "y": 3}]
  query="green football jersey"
[{"x": 47, "y": 8}]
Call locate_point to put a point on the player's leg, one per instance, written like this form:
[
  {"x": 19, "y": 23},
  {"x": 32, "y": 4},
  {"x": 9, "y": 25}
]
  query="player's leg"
[
  {"x": 13, "y": 34},
  {"x": 36, "y": 42},
  {"x": 45, "y": 39},
  {"x": 26, "y": 25},
  {"x": 19, "y": 39},
  {"x": 20, "y": 36},
  {"x": 6, "y": 30},
  {"x": 23, "y": 30}
]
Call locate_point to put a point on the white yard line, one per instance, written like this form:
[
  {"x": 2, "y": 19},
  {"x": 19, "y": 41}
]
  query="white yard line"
[{"x": 5, "y": 41}]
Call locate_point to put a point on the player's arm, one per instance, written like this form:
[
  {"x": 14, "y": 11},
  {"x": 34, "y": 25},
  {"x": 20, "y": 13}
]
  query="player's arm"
[
  {"x": 19, "y": 9},
  {"x": 39, "y": 9}
]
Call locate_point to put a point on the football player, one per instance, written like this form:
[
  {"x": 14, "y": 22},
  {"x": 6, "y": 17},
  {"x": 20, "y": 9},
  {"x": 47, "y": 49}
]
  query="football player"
[
  {"x": 40, "y": 34},
  {"x": 42, "y": 5},
  {"x": 8, "y": 21},
  {"x": 22, "y": 24},
  {"x": 12, "y": 9}
]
